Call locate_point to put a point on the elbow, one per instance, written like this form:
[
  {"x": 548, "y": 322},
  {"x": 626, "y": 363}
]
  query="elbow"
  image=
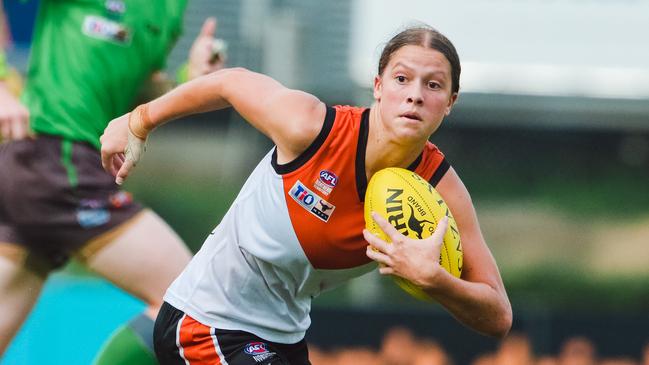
[
  {"x": 497, "y": 323},
  {"x": 227, "y": 75},
  {"x": 502, "y": 323},
  {"x": 236, "y": 70},
  {"x": 222, "y": 83}
]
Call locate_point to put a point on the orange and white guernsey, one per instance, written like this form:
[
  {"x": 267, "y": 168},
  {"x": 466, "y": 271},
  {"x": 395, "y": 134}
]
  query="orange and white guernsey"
[{"x": 293, "y": 231}]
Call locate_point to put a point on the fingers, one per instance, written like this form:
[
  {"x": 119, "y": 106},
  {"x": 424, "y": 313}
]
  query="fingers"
[
  {"x": 393, "y": 234},
  {"x": 14, "y": 116},
  {"x": 123, "y": 172},
  {"x": 378, "y": 256},
  {"x": 5, "y": 129},
  {"x": 14, "y": 124},
  {"x": 120, "y": 149},
  {"x": 207, "y": 53},
  {"x": 117, "y": 162},
  {"x": 112, "y": 162},
  {"x": 376, "y": 241},
  {"x": 440, "y": 230},
  {"x": 135, "y": 147},
  {"x": 19, "y": 128},
  {"x": 209, "y": 27},
  {"x": 106, "y": 156}
]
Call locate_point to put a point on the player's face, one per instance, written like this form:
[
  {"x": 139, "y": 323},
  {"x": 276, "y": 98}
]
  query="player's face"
[{"x": 414, "y": 92}]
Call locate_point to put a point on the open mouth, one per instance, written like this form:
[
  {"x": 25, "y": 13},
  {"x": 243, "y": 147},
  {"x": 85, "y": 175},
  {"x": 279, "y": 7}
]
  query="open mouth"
[{"x": 413, "y": 116}]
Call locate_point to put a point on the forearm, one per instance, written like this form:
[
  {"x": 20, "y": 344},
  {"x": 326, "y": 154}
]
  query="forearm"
[
  {"x": 200, "y": 95},
  {"x": 477, "y": 305}
]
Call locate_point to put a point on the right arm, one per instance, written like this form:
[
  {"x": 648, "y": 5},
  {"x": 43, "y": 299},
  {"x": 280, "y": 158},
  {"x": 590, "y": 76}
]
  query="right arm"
[
  {"x": 290, "y": 118},
  {"x": 14, "y": 116}
]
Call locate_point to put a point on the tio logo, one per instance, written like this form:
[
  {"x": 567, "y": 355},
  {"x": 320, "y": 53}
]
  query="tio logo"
[
  {"x": 311, "y": 201},
  {"x": 302, "y": 195}
]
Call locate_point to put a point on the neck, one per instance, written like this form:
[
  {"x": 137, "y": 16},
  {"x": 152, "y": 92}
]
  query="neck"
[{"x": 383, "y": 150}]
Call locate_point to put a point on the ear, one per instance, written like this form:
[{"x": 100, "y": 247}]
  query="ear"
[
  {"x": 378, "y": 88},
  {"x": 451, "y": 102}
]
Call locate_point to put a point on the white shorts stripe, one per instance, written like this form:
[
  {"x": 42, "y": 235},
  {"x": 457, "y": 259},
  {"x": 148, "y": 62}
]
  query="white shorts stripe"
[
  {"x": 217, "y": 347},
  {"x": 180, "y": 347}
]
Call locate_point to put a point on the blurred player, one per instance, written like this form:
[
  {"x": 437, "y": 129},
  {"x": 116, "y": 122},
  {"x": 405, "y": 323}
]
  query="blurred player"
[
  {"x": 90, "y": 62},
  {"x": 297, "y": 227}
]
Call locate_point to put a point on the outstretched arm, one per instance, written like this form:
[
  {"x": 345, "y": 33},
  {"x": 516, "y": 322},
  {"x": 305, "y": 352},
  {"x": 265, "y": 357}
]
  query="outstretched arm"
[{"x": 290, "y": 118}]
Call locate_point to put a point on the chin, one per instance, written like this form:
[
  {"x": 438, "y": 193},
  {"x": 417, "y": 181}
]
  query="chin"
[{"x": 410, "y": 135}]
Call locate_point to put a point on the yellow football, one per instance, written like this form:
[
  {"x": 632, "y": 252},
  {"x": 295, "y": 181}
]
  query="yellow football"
[{"x": 414, "y": 208}]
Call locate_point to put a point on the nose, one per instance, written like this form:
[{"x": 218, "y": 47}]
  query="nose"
[{"x": 415, "y": 96}]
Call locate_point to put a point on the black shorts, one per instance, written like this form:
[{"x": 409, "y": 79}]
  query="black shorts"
[
  {"x": 179, "y": 339},
  {"x": 55, "y": 197}
]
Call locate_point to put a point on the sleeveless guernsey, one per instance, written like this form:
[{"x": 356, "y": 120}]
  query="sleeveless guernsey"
[{"x": 293, "y": 231}]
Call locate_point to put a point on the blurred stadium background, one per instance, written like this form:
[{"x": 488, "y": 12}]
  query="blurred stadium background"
[{"x": 551, "y": 136}]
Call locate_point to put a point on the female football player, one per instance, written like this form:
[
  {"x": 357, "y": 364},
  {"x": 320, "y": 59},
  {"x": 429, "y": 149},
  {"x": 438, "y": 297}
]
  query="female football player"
[{"x": 296, "y": 227}]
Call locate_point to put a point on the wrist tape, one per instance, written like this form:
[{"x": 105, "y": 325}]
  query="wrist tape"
[{"x": 139, "y": 122}]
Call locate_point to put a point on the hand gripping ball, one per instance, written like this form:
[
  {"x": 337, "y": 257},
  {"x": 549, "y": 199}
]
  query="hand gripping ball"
[{"x": 414, "y": 208}]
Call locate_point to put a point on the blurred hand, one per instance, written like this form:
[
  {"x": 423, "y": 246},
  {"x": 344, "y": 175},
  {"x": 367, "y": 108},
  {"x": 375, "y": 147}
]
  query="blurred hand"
[
  {"x": 412, "y": 259},
  {"x": 121, "y": 150},
  {"x": 201, "y": 56},
  {"x": 14, "y": 116}
]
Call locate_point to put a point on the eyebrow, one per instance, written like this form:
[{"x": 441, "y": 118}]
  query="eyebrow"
[{"x": 399, "y": 63}]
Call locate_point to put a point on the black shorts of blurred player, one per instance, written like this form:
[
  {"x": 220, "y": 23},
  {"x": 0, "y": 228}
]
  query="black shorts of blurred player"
[{"x": 56, "y": 200}]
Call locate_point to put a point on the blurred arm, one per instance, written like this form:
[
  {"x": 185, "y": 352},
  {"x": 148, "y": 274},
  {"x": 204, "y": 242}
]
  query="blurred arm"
[
  {"x": 3, "y": 41},
  {"x": 479, "y": 299},
  {"x": 201, "y": 61},
  {"x": 158, "y": 84},
  {"x": 14, "y": 116}
]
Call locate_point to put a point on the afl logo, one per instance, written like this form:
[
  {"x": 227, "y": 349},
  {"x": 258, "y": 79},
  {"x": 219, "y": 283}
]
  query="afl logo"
[
  {"x": 255, "y": 348},
  {"x": 328, "y": 178}
]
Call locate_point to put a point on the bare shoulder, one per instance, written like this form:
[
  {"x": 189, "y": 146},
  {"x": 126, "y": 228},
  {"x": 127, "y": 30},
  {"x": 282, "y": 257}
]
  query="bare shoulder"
[
  {"x": 304, "y": 120},
  {"x": 459, "y": 201},
  {"x": 291, "y": 118},
  {"x": 453, "y": 190}
]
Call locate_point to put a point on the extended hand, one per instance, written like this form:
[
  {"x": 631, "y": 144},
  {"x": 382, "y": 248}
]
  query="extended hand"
[
  {"x": 14, "y": 117},
  {"x": 120, "y": 148},
  {"x": 412, "y": 259},
  {"x": 201, "y": 55}
]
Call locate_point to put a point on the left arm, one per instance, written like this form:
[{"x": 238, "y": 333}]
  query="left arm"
[
  {"x": 158, "y": 84},
  {"x": 203, "y": 58},
  {"x": 478, "y": 299}
]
